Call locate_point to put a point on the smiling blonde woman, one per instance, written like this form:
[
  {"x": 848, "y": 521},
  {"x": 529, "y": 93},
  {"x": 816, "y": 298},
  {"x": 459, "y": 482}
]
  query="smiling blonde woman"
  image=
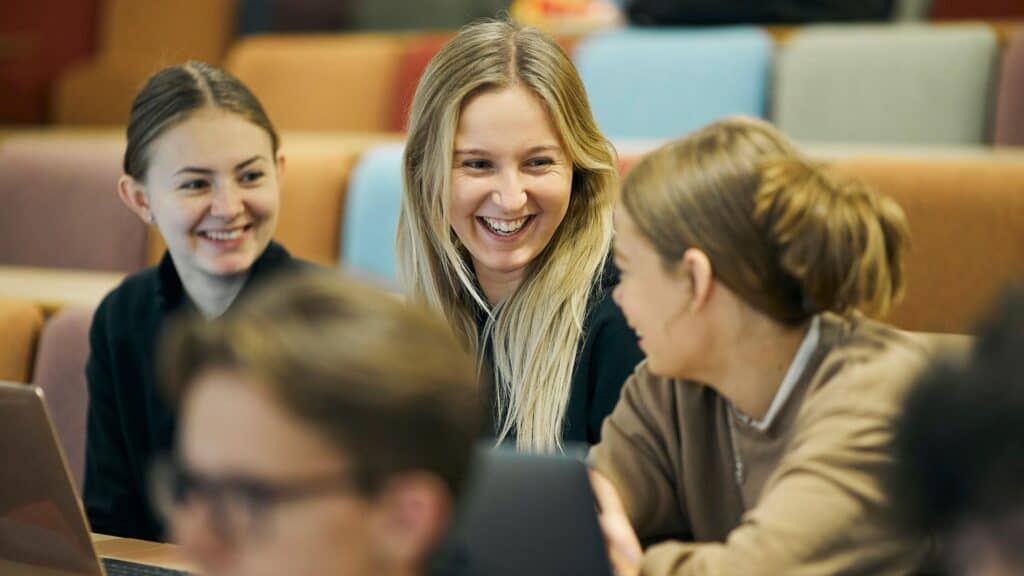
[{"x": 506, "y": 226}]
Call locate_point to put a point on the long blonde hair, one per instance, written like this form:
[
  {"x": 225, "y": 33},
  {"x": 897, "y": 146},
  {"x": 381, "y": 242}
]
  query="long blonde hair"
[
  {"x": 535, "y": 332},
  {"x": 785, "y": 235}
]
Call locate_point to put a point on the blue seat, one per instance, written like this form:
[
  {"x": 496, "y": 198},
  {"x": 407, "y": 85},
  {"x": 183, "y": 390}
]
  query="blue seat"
[
  {"x": 370, "y": 221},
  {"x": 663, "y": 83}
]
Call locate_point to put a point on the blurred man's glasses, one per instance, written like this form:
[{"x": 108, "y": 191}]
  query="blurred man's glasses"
[{"x": 236, "y": 506}]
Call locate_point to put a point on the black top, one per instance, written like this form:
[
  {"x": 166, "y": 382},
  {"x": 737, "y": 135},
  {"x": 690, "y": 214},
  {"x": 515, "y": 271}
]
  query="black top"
[
  {"x": 128, "y": 421},
  {"x": 608, "y": 354}
]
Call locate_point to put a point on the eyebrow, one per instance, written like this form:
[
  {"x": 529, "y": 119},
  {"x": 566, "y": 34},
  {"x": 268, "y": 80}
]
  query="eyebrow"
[
  {"x": 482, "y": 152},
  {"x": 208, "y": 171}
]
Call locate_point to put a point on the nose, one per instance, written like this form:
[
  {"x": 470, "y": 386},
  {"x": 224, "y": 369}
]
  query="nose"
[
  {"x": 227, "y": 202},
  {"x": 192, "y": 528},
  {"x": 510, "y": 194}
]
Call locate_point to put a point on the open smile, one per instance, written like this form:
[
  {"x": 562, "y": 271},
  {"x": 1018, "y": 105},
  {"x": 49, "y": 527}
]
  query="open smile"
[
  {"x": 505, "y": 229},
  {"x": 228, "y": 235}
]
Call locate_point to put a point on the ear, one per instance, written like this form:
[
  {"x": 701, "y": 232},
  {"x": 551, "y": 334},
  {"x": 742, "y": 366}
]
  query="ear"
[
  {"x": 133, "y": 194},
  {"x": 280, "y": 169},
  {"x": 696, "y": 268},
  {"x": 414, "y": 513}
]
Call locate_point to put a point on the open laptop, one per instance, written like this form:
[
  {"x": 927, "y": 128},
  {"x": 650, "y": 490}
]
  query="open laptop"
[
  {"x": 527, "y": 514},
  {"x": 43, "y": 529}
]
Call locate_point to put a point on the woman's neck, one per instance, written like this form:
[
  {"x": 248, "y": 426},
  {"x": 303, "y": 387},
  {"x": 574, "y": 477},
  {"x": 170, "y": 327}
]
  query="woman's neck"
[
  {"x": 754, "y": 362},
  {"x": 212, "y": 295},
  {"x": 498, "y": 286}
]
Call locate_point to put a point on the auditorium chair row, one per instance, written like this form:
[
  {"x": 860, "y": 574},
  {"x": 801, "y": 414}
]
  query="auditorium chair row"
[
  {"x": 908, "y": 84},
  {"x": 341, "y": 193}
]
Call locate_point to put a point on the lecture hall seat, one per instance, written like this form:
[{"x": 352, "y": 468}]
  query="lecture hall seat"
[{"x": 663, "y": 83}]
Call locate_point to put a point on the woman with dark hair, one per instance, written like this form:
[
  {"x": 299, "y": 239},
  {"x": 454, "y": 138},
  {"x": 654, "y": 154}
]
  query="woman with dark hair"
[{"x": 202, "y": 165}]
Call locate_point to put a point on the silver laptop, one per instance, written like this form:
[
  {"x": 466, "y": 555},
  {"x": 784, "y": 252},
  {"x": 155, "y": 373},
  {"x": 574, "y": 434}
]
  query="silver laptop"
[{"x": 43, "y": 529}]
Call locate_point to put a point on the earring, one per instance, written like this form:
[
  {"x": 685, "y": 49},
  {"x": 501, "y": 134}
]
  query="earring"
[{"x": 149, "y": 218}]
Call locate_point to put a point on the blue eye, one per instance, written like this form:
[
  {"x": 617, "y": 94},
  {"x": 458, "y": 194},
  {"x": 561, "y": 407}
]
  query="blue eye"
[{"x": 541, "y": 162}]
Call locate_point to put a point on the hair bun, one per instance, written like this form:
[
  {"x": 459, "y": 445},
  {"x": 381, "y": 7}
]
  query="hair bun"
[{"x": 839, "y": 239}]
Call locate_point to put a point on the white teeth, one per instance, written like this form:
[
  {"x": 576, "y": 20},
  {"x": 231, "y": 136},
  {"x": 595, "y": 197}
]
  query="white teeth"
[
  {"x": 505, "y": 227},
  {"x": 223, "y": 236}
]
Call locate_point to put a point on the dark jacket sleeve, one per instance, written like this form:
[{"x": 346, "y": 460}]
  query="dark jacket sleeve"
[{"x": 112, "y": 498}]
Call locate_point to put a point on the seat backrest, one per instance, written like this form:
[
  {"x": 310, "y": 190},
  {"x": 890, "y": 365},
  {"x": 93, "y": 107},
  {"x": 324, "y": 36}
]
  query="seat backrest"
[
  {"x": 906, "y": 85},
  {"x": 60, "y": 205},
  {"x": 22, "y": 321},
  {"x": 370, "y": 223},
  {"x": 1009, "y": 124},
  {"x": 318, "y": 83},
  {"x": 646, "y": 83},
  {"x": 60, "y": 372},
  {"x": 168, "y": 30},
  {"x": 967, "y": 234}
]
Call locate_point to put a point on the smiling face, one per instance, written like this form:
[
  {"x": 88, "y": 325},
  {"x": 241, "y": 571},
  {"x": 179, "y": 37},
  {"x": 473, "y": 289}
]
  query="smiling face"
[
  {"x": 510, "y": 186},
  {"x": 656, "y": 303},
  {"x": 212, "y": 190}
]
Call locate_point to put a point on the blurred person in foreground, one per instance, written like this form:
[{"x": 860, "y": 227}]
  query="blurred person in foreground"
[
  {"x": 326, "y": 429},
  {"x": 961, "y": 443}
]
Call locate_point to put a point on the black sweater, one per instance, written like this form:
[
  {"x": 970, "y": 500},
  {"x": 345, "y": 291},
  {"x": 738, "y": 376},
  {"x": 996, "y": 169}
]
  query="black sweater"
[
  {"x": 607, "y": 356},
  {"x": 128, "y": 420}
]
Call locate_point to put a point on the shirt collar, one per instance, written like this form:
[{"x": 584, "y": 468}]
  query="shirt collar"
[{"x": 790, "y": 380}]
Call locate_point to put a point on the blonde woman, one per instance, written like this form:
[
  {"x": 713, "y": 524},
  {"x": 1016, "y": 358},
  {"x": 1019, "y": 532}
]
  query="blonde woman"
[
  {"x": 756, "y": 436},
  {"x": 505, "y": 230}
]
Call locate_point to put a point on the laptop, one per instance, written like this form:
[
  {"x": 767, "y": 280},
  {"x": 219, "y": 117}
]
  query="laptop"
[
  {"x": 43, "y": 528},
  {"x": 526, "y": 514}
]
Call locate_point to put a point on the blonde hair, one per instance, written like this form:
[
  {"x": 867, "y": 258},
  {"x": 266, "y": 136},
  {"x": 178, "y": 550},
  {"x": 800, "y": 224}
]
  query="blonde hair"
[
  {"x": 384, "y": 382},
  {"x": 536, "y": 332},
  {"x": 790, "y": 239}
]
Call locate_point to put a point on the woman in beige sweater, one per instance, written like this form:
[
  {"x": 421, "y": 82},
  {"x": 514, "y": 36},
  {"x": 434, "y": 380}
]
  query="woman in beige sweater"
[{"x": 756, "y": 436}]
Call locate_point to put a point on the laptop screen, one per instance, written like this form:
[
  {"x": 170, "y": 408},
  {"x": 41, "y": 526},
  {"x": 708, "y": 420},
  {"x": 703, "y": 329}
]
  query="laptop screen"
[{"x": 42, "y": 527}]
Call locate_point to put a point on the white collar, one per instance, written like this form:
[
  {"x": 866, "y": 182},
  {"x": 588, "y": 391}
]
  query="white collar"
[{"x": 789, "y": 381}]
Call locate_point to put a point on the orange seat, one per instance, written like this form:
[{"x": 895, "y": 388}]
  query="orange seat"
[
  {"x": 318, "y": 83},
  {"x": 136, "y": 40},
  {"x": 967, "y": 234},
  {"x": 22, "y": 322}
]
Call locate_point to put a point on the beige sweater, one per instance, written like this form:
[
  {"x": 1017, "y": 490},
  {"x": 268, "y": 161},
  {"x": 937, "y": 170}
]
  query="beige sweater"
[{"x": 719, "y": 496}]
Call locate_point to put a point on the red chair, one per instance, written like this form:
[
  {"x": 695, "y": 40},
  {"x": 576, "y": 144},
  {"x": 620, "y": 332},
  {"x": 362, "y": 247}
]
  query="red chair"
[{"x": 977, "y": 9}]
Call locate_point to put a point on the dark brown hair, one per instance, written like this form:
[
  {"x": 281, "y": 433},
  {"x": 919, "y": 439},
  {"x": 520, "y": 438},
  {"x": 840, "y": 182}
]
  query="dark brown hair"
[
  {"x": 790, "y": 239},
  {"x": 383, "y": 381},
  {"x": 172, "y": 95}
]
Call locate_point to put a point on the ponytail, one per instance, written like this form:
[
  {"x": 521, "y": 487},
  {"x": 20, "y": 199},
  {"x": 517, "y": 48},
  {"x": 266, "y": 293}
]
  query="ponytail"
[{"x": 841, "y": 241}]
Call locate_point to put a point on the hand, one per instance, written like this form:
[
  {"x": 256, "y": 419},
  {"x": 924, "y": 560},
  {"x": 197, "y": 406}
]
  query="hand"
[{"x": 624, "y": 550}]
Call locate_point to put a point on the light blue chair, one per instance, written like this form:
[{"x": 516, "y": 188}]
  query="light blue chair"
[
  {"x": 370, "y": 221},
  {"x": 663, "y": 83}
]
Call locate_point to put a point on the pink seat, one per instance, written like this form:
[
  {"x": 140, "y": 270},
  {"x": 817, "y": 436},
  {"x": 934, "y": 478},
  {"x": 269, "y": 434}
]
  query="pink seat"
[
  {"x": 60, "y": 205},
  {"x": 60, "y": 372},
  {"x": 1009, "y": 128}
]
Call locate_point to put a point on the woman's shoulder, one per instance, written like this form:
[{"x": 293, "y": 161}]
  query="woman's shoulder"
[{"x": 868, "y": 366}]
